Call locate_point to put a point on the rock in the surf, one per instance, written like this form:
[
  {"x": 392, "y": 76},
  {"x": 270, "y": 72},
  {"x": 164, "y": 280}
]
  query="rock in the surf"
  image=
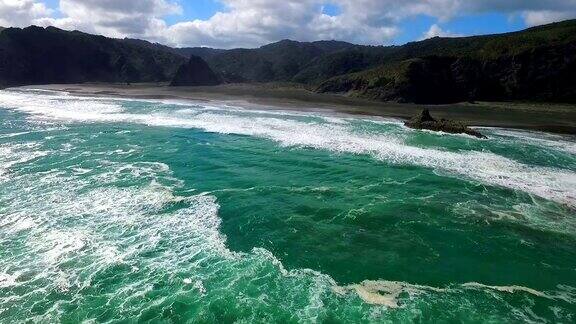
[{"x": 425, "y": 121}]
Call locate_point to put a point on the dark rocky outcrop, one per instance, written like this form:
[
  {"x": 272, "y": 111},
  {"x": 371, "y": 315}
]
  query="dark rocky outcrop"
[
  {"x": 195, "y": 72},
  {"x": 425, "y": 121}
]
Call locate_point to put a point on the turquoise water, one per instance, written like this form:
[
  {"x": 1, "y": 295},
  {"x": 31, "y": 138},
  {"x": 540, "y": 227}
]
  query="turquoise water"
[{"x": 121, "y": 210}]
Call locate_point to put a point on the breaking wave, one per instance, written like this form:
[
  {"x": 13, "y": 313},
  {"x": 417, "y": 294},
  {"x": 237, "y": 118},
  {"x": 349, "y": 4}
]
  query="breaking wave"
[{"x": 337, "y": 136}]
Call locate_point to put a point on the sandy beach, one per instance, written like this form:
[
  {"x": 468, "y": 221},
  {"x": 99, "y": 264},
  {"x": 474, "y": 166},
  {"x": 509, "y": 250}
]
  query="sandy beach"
[{"x": 556, "y": 118}]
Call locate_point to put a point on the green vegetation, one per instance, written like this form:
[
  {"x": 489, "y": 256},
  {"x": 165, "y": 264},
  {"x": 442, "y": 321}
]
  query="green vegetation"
[
  {"x": 280, "y": 61},
  {"x": 535, "y": 64},
  {"x": 477, "y": 47}
]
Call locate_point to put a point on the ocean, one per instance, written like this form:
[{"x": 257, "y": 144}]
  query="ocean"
[{"x": 119, "y": 210}]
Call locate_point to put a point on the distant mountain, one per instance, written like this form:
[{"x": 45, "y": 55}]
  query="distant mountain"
[
  {"x": 195, "y": 73},
  {"x": 154, "y": 46},
  {"x": 279, "y": 61},
  {"x": 36, "y": 55}
]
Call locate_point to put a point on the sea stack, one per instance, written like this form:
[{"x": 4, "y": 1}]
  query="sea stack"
[
  {"x": 195, "y": 72},
  {"x": 425, "y": 121}
]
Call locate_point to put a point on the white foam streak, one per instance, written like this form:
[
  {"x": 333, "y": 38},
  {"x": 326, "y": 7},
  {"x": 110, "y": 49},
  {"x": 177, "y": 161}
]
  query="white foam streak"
[
  {"x": 14, "y": 154},
  {"x": 61, "y": 107},
  {"x": 546, "y": 140},
  {"x": 8, "y": 280},
  {"x": 387, "y": 293},
  {"x": 507, "y": 289}
]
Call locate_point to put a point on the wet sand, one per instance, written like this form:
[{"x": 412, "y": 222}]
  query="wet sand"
[{"x": 557, "y": 118}]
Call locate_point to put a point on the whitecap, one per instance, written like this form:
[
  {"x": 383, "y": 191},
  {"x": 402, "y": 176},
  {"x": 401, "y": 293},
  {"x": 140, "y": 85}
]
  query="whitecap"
[
  {"x": 9, "y": 280},
  {"x": 507, "y": 289},
  {"x": 545, "y": 140},
  {"x": 12, "y": 154}
]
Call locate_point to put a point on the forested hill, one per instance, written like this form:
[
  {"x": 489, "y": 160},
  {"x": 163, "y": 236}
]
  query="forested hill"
[
  {"x": 535, "y": 64},
  {"x": 280, "y": 61},
  {"x": 36, "y": 55}
]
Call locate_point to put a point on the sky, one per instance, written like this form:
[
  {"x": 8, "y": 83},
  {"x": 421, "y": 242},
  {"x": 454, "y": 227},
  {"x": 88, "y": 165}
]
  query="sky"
[{"x": 252, "y": 23}]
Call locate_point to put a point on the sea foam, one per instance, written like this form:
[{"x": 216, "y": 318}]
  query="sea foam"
[{"x": 485, "y": 167}]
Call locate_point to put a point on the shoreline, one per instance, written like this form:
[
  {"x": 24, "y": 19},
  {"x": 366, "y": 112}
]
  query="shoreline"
[{"x": 553, "y": 118}]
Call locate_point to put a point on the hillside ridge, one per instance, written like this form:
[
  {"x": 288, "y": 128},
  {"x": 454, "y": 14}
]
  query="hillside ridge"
[{"x": 535, "y": 64}]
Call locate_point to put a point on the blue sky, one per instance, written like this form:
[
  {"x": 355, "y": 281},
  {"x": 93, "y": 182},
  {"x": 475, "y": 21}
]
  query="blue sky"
[
  {"x": 252, "y": 23},
  {"x": 197, "y": 9},
  {"x": 411, "y": 29},
  {"x": 473, "y": 24}
]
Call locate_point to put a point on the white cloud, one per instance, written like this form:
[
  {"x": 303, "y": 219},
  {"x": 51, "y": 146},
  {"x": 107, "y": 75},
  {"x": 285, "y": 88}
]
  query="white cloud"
[
  {"x": 436, "y": 30},
  {"x": 112, "y": 17},
  {"x": 18, "y": 13},
  {"x": 250, "y": 23},
  {"x": 534, "y": 18}
]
